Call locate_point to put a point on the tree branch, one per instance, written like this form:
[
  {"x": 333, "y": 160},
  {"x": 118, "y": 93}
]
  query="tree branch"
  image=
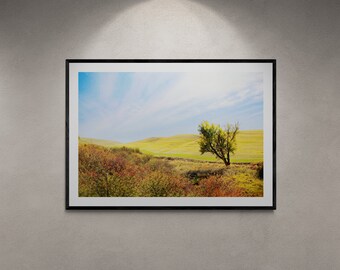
[{"x": 215, "y": 151}]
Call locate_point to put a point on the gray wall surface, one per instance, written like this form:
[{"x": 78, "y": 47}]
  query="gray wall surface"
[{"x": 35, "y": 39}]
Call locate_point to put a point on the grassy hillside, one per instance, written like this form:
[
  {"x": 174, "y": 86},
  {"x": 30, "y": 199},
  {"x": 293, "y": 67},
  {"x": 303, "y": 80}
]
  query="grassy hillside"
[
  {"x": 106, "y": 143},
  {"x": 250, "y": 146}
]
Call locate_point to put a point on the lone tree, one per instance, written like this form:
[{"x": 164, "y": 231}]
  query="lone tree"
[{"x": 218, "y": 141}]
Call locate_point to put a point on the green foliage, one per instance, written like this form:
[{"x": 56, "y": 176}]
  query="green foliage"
[{"x": 218, "y": 141}]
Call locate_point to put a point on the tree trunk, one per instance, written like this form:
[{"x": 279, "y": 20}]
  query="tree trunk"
[{"x": 226, "y": 162}]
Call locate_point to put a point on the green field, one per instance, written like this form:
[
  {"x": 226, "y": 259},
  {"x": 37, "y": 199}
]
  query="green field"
[
  {"x": 249, "y": 146},
  {"x": 105, "y": 143}
]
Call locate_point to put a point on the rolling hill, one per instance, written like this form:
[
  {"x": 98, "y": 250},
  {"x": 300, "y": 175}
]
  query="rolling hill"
[
  {"x": 250, "y": 146},
  {"x": 106, "y": 143}
]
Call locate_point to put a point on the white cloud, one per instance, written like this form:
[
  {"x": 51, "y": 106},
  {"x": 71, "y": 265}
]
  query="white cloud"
[{"x": 157, "y": 100}]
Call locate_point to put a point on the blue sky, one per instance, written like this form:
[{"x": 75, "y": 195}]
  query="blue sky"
[{"x": 132, "y": 106}]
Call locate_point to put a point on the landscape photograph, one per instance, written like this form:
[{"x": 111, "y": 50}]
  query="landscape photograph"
[{"x": 170, "y": 134}]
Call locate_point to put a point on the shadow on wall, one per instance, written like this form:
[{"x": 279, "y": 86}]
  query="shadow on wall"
[
  {"x": 211, "y": 29},
  {"x": 269, "y": 26},
  {"x": 234, "y": 28},
  {"x": 61, "y": 25},
  {"x": 131, "y": 29}
]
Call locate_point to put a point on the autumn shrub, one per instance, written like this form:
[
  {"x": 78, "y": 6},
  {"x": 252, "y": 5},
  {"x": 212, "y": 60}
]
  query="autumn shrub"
[
  {"x": 99, "y": 169},
  {"x": 121, "y": 172},
  {"x": 125, "y": 172},
  {"x": 119, "y": 186},
  {"x": 160, "y": 165},
  {"x": 158, "y": 184},
  {"x": 217, "y": 186}
]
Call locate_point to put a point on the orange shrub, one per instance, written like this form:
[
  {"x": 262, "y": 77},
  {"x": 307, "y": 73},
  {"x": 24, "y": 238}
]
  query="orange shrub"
[
  {"x": 217, "y": 186},
  {"x": 105, "y": 172},
  {"x": 159, "y": 184},
  {"x": 124, "y": 172}
]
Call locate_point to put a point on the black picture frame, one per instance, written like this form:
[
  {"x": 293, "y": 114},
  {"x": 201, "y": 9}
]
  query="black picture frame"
[{"x": 67, "y": 115}]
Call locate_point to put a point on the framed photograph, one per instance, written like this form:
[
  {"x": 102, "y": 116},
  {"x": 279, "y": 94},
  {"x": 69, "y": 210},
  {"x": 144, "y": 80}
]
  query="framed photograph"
[{"x": 170, "y": 134}]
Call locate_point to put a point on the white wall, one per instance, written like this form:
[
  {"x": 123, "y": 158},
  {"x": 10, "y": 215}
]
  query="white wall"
[{"x": 35, "y": 230}]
